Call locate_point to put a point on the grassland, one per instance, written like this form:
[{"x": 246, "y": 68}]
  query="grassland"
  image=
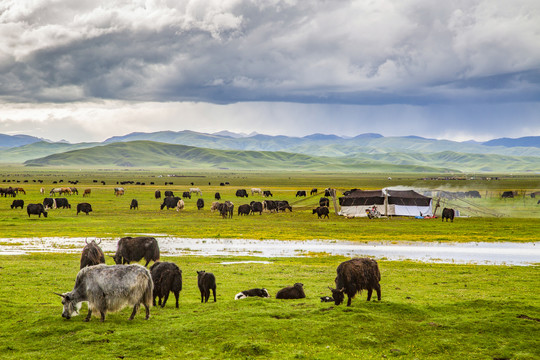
[{"x": 427, "y": 311}]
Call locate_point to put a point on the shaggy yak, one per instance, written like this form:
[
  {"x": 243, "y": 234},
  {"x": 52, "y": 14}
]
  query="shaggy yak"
[
  {"x": 206, "y": 282},
  {"x": 92, "y": 254},
  {"x": 292, "y": 292},
  {"x": 356, "y": 275},
  {"x": 167, "y": 277}
]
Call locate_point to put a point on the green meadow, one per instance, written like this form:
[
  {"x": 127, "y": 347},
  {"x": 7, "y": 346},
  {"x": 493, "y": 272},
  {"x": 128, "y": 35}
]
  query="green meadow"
[{"x": 428, "y": 311}]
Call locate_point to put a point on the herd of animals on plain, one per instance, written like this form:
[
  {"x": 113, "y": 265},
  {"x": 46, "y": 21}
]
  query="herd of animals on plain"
[{"x": 110, "y": 288}]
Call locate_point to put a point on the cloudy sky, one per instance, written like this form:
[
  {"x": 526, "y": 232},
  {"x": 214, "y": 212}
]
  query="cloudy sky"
[{"x": 86, "y": 70}]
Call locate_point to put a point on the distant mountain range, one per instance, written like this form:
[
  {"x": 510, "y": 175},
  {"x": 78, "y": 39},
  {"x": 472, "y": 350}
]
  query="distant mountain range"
[{"x": 364, "y": 153}]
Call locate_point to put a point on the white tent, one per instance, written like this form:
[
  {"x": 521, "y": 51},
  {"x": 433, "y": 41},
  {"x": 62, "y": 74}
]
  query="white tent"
[{"x": 387, "y": 202}]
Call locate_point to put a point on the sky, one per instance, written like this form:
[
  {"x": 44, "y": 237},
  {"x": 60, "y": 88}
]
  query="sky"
[{"x": 87, "y": 70}]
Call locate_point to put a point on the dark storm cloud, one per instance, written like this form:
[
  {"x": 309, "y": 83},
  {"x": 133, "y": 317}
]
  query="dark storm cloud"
[{"x": 349, "y": 52}]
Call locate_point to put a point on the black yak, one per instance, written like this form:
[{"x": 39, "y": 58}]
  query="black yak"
[
  {"x": 356, "y": 275},
  {"x": 321, "y": 211},
  {"x": 134, "y": 249},
  {"x": 167, "y": 278},
  {"x": 448, "y": 213},
  {"x": 206, "y": 282},
  {"x": 292, "y": 292}
]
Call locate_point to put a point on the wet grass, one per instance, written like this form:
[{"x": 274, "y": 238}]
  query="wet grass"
[{"x": 433, "y": 311}]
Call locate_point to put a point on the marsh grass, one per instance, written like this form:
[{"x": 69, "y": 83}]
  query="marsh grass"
[{"x": 430, "y": 311}]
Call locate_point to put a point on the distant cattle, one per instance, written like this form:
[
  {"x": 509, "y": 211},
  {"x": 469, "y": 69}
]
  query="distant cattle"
[
  {"x": 256, "y": 206},
  {"x": 170, "y": 202},
  {"x": 241, "y": 193},
  {"x": 244, "y": 209},
  {"x": 36, "y": 209},
  {"x": 252, "y": 293},
  {"x": 134, "y": 249},
  {"x": 217, "y": 196},
  {"x": 5, "y": 192},
  {"x": 167, "y": 277},
  {"x": 200, "y": 204},
  {"x": 267, "y": 193},
  {"x": 283, "y": 205},
  {"x": 324, "y": 202},
  {"x": 226, "y": 209},
  {"x": 92, "y": 254},
  {"x": 473, "y": 194},
  {"x": 214, "y": 206},
  {"x": 42, "y": 191},
  {"x": 447, "y": 214},
  {"x": 134, "y": 205},
  {"x": 321, "y": 211},
  {"x": 507, "y": 195},
  {"x": 206, "y": 282},
  {"x": 62, "y": 203},
  {"x": 56, "y": 191},
  {"x": 195, "y": 190},
  {"x": 186, "y": 195},
  {"x": 19, "y": 190},
  {"x": 180, "y": 205},
  {"x": 119, "y": 191},
  {"x": 74, "y": 190},
  {"x": 327, "y": 192},
  {"x": 313, "y": 191},
  {"x": 168, "y": 193},
  {"x": 256, "y": 191},
  {"x": 292, "y": 292},
  {"x": 157, "y": 194},
  {"x": 84, "y": 207},
  {"x": 300, "y": 193},
  {"x": 49, "y": 203},
  {"x": 87, "y": 192},
  {"x": 17, "y": 203}
]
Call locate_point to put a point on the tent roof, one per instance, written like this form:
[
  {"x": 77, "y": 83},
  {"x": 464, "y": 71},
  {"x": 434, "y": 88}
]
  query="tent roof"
[{"x": 376, "y": 197}]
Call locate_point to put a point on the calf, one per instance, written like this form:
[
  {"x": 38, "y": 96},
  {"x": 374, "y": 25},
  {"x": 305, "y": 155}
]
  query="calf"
[
  {"x": 134, "y": 249},
  {"x": 186, "y": 194},
  {"x": 36, "y": 209},
  {"x": 92, "y": 254},
  {"x": 17, "y": 203},
  {"x": 167, "y": 278},
  {"x": 252, "y": 292},
  {"x": 134, "y": 205},
  {"x": 87, "y": 192},
  {"x": 321, "y": 211},
  {"x": 200, "y": 204},
  {"x": 292, "y": 292},
  {"x": 109, "y": 289},
  {"x": 206, "y": 282},
  {"x": 180, "y": 205}
]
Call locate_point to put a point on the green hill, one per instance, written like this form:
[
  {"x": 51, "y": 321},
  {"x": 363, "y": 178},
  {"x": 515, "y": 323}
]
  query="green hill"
[
  {"x": 38, "y": 149},
  {"x": 153, "y": 154}
]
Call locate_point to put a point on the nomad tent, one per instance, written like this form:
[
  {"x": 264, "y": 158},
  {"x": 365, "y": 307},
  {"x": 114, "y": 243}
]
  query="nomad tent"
[{"x": 387, "y": 202}]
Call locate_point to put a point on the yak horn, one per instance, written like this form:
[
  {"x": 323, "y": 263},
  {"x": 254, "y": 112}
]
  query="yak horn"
[
  {"x": 86, "y": 241},
  {"x": 99, "y": 242},
  {"x": 330, "y": 288},
  {"x": 62, "y": 295},
  {"x": 342, "y": 290}
]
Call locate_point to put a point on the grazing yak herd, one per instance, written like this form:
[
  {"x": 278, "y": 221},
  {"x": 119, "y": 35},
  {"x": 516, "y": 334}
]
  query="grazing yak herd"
[{"x": 110, "y": 288}]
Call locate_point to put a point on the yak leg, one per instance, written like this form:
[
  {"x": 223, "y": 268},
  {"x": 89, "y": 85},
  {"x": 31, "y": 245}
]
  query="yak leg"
[
  {"x": 147, "y": 308},
  {"x": 135, "y": 308},
  {"x": 214, "y": 291},
  {"x": 165, "y": 300},
  {"x": 378, "y": 289},
  {"x": 176, "y": 294},
  {"x": 89, "y": 316},
  {"x": 206, "y": 295},
  {"x": 102, "y": 316},
  {"x": 202, "y": 296},
  {"x": 147, "y": 261},
  {"x": 349, "y": 300},
  {"x": 369, "y": 292}
]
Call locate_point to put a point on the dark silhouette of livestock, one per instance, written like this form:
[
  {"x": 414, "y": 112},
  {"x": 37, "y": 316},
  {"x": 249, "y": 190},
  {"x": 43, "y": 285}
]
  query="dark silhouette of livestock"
[
  {"x": 170, "y": 202},
  {"x": 327, "y": 192},
  {"x": 134, "y": 249},
  {"x": 5, "y": 192},
  {"x": 74, "y": 190},
  {"x": 292, "y": 292},
  {"x": 17, "y": 203},
  {"x": 109, "y": 289},
  {"x": 119, "y": 191},
  {"x": 256, "y": 206},
  {"x": 49, "y": 203},
  {"x": 206, "y": 282},
  {"x": 324, "y": 202},
  {"x": 244, "y": 209},
  {"x": 473, "y": 194},
  {"x": 134, "y": 205},
  {"x": 36, "y": 209},
  {"x": 241, "y": 193},
  {"x": 448, "y": 213},
  {"x": 217, "y": 196},
  {"x": 226, "y": 209},
  {"x": 267, "y": 193},
  {"x": 84, "y": 207},
  {"x": 252, "y": 293},
  {"x": 300, "y": 193},
  {"x": 313, "y": 191},
  {"x": 168, "y": 193},
  {"x": 283, "y": 205},
  {"x": 157, "y": 194},
  {"x": 92, "y": 254},
  {"x": 167, "y": 278},
  {"x": 87, "y": 192},
  {"x": 200, "y": 204},
  {"x": 270, "y": 205},
  {"x": 356, "y": 275},
  {"x": 321, "y": 211},
  {"x": 507, "y": 195},
  {"x": 186, "y": 194},
  {"x": 62, "y": 203}
]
